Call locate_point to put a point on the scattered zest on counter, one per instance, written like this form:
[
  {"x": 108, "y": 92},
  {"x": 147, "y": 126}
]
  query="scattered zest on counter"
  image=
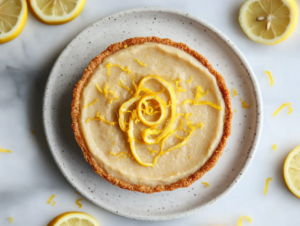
[
  {"x": 11, "y": 219},
  {"x": 270, "y": 76},
  {"x": 274, "y": 147},
  {"x": 79, "y": 204},
  {"x": 90, "y": 103},
  {"x": 244, "y": 217},
  {"x": 50, "y": 199},
  {"x": 290, "y": 110},
  {"x": 205, "y": 184},
  {"x": 234, "y": 92},
  {"x": 244, "y": 104},
  {"x": 235, "y": 111},
  {"x": 266, "y": 186},
  {"x": 282, "y": 106},
  {"x": 5, "y": 150},
  {"x": 53, "y": 204}
]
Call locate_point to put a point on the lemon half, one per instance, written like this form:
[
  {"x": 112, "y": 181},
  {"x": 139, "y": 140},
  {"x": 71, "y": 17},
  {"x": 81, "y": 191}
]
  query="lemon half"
[
  {"x": 74, "y": 219},
  {"x": 13, "y": 16},
  {"x": 269, "y": 21},
  {"x": 291, "y": 171},
  {"x": 56, "y": 11}
]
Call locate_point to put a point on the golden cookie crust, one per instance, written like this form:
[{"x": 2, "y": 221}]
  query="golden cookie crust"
[{"x": 75, "y": 113}]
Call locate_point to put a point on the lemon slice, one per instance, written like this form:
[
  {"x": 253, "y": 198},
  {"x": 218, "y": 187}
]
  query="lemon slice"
[
  {"x": 74, "y": 219},
  {"x": 269, "y": 21},
  {"x": 13, "y": 16},
  {"x": 291, "y": 171},
  {"x": 56, "y": 11}
]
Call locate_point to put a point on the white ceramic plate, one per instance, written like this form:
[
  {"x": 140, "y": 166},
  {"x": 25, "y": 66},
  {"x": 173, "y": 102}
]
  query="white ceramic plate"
[{"x": 180, "y": 27}]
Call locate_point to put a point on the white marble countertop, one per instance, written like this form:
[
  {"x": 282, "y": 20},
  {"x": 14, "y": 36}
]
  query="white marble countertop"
[{"x": 29, "y": 176}]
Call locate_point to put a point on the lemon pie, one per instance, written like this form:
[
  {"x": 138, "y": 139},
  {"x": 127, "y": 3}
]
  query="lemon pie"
[{"x": 151, "y": 115}]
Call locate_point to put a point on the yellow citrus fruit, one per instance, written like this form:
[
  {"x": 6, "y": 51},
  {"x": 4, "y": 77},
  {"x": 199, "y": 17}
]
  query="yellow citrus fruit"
[
  {"x": 56, "y": 11},
  {"x": 291, "y": 171},
  {"x": 269, "y": 21},
  {"x": 13, "y": 16},
  {"x": 74, "y": 219}
]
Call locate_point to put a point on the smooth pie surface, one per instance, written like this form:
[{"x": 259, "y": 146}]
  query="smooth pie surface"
[{"x": 172, "y": 65}]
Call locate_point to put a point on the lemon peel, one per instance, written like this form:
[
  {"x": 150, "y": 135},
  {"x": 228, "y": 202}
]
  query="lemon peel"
[
  {"x": 274, "y": 147},
  {"x": 50, "y": 199},
  {"x": 79, "y": 204},
  {"x": 98, "y": 117},
  {"x": 90, "y": 104},
  {"x": 267, "y": 186},
  {"x": 152, "y": 151},
  {"x": 125, "y": 69},
  {"x": 53, "y": 203},
  {"x": 270, "y": 76},
  {"x": 140, "y": 62},
  {"x": 124, "y": 109},
  {"x": 11, "y": 219},
  {"x": 244, "y": 104},
  {"x": 282, "y": 106},
  {"x": 290, "y": 110},
  {"x": 234, "y": 92},
  {"x": 121, "y": 154},
  {"x": 205, "y": 184},
  {"x": 125, "y": 87},
  {"x": 106, "y": 92},
  {"x": 179, "y": 88},
  {"x": 5, "y": 150},
  {"x": 189, "y": 80},
  {"x": 244, "y": 217}
]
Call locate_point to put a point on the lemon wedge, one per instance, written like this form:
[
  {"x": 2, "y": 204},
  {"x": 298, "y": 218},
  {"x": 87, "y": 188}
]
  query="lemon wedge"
[
  {"x": 56, "y": 11},
  {"x": 13, "y": 16},
  {"x": 269, "y": 21},
  {"x": 74, "y": 219},
  {"x": 291, "y": 171}
]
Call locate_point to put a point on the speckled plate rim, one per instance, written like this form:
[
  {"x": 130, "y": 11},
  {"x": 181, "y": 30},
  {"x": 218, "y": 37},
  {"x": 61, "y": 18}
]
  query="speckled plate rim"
[{"x": 258, "y": 99}]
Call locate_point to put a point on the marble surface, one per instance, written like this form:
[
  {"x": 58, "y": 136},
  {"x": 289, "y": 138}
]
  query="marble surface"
[{"x": 29, "y": 176}]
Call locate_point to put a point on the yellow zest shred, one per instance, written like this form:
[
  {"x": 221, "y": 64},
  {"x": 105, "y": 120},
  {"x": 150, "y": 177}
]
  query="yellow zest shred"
[
  {"x": 244, "y": 217},
  {"x": 121, "y": 154},
  {"x": 106, "y": 93},
  {"x": 205, "y": 184},
  {"x": 266, "y": 186},
  {"x": 125, "y": 46},
  {"x": 274, "y": 147},
  {"x": 11, "y": 219},
  {"x": 190, "y": 157},
  {"x": 90, "y": 103},
  {"x": 79, "y": 204},
  {"x": 98, "y": 117},
  {"x": 270, "y": 76},
  {"x": 5, "y": 150},
  {"x": 234, "y": 92},
  {"x": 290, "y": 110},
  {"x": 125, "y": 69},
  {"x": 152, "y": 151},
  {"x": 125, "y": 87},
  {"x": 53, "y": 203},
  {"x": 244, "y": 104},
  {"x": 282, "y": 106},
  {"x": 234, "y": 110},
  {"x": 179, "y": 88},
  {"x": 190, "y": 80},
  {"x": 50, "y": 199},
  {"x": 140, "y": 63}
]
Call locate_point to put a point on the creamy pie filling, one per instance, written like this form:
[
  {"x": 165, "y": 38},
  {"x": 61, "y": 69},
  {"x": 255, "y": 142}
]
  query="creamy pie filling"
[{"x": 109, "y": 145}]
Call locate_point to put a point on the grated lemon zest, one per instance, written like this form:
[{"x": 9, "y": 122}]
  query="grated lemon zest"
[
  {"x": 244, "y": 104},
  {"x": 282, "y": 106},
  {"x": 98, "y": 117},
  {"x": 290, "y": 110},
  {"x": 205, "y": 184},
  {"x": 152, "y": 151},
  {"x": 121, "y": 154},
  {"x": 235, "y": 111},
  {"x": 266, "y": 186},
  {"x": 140, "y": 63},
  {"x": 270, "y": 76},
  {"x": 234, "y": 92},
  {"x": 179, "y": 88},
  {"x": 50, "y": 199},
  {"x": 125, "y": 46},
  {"x": 125, "y": 87},
  {"x": 190, "y": 80},
  {"x": 125, "y": 69},
  {"x": 11, "y": 219},
  {"x": 79, "y": 204},
  {"x": 244, "y": 217},
  {"x": 106, "y": 92},
  {"x": 53, "y": 203},
  {"x": 190, "y": 157},
  {"x": 5, "y": 150},
  {"x": 274, "y": 147},
  {"x": 90, "y": 104}
]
